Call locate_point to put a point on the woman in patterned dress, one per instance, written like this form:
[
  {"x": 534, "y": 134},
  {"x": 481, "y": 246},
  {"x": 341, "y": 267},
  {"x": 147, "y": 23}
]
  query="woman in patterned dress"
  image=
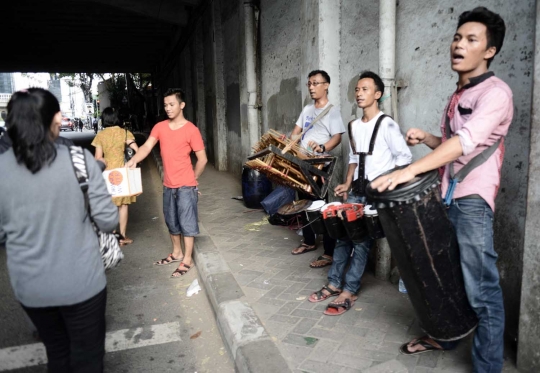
[{"x": 109, "y": 145}]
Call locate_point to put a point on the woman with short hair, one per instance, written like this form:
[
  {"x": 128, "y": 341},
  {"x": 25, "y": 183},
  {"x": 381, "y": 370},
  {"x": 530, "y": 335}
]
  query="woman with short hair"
[{"x": 110, "y": 144}]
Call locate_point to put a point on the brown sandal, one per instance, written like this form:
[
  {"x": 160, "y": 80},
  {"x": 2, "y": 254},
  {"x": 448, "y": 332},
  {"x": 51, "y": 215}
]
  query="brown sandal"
[
  {"x": 168, "y": 260},
  {"x": 321, "y": 262},
  {"x": 307, "y": 248},
  {"x": 181, "y": 271}
]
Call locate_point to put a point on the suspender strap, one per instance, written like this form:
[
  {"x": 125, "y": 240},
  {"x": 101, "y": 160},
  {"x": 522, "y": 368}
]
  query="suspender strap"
[{"x": 361, "y": 182}]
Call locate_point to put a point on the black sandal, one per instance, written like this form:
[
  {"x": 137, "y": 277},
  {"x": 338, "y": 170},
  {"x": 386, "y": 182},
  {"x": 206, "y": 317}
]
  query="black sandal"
[
  {"x": 345, "y": 305},
  {"x": 322, "y": 296},
  {"x": 424, "y": 341}
]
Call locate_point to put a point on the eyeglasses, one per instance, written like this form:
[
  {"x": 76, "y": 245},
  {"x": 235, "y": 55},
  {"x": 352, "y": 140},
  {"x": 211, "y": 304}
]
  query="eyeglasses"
[{"x": 309, "y": 84}]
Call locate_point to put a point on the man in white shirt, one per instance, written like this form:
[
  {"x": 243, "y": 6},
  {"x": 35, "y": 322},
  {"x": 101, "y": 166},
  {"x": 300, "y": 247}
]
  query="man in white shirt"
[
  {"x": 389, "y": 150},
  {"x": 324, "y": 136}
]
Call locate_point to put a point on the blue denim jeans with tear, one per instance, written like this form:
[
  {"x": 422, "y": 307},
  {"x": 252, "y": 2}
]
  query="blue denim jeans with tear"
[
  {"x": 346, "y": 250},
  {"x": 473, "y": 222}
]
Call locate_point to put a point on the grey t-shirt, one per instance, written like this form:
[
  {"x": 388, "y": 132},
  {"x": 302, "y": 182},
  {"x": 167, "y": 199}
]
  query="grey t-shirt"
[
  {"x": 53, "y": 254},
  {"x": 330, "y": 125}
]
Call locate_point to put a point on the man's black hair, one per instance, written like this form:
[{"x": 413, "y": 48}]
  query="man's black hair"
[
  {"x": 322, "y": 72},
  {"x": 176, "y": 92},
  {"x": 379, "y": 85},
  {"x": 494, "y": 25}
]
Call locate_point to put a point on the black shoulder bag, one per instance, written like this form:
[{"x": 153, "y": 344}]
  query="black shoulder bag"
[{"x": 109, "y": 245}]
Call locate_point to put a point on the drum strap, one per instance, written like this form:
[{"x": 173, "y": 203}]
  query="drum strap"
[
  {"x": 361, "y": 182},
  {"x": 471, "y": 165}
]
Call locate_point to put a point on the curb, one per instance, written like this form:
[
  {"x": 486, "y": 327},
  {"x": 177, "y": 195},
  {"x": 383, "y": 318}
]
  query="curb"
[{"x": 250, "y": 346}]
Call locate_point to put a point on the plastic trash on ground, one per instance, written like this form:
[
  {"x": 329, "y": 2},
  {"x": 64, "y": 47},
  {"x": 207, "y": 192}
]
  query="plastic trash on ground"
[{"x": 194, "y": 288}]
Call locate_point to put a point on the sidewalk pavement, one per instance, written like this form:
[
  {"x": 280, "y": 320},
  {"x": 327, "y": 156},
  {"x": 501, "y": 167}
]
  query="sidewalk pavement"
[{"x": 259, "y": 292}]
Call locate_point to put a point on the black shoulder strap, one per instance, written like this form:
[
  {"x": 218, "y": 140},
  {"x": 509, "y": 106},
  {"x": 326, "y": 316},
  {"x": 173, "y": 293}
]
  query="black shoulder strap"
[
  {"x": 473, "y": 163},
  {"x": 78, "y": 161},
  {"x": 373, "y": 136}
]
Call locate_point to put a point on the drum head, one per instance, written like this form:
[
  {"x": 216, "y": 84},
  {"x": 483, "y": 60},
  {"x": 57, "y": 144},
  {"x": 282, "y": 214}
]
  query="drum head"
[
  {"x": 294, "y": 207},
  {"x": 330, "y": 204},
  {"x": 405, "y": 192},
  {"x": 370, "y": 210},
  {"x": 316, "y": 205}
]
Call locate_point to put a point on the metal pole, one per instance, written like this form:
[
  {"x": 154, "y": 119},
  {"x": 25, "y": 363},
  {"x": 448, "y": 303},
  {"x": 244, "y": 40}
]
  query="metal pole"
[
  {"x": 387, "y": 72},
  {"x": 251, "y": 72}
]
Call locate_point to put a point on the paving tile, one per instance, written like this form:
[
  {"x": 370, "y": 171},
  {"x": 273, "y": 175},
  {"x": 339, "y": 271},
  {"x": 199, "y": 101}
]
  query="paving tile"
[
  {"x": 350, "y": 361},
  {"x": 328, "y": 322},
  {"x": 362, "y": 351},
  {"x": 287, "y": 308},
  {"x": 294, "y": 288},
  {"x": 326, "y": 334},
  {"x": 349, "y": 370},
  {"x": 315, "y": 284},
  {"x": 285, "y": 319},
  {"x": 324, "y": 350},
  {"x": 294, "y": 354},
  {"x": 270, "y": 301},
  {"x": 429, "y": 360},
  {"x": 276, "y": 329},
  {"x": 307, "y": 313},
  {"x": 306, "y": 305},
  {"x": 300, "y": 340},
  {"x": 317, "y": 367},
  {"x": 304, "y": 326}
]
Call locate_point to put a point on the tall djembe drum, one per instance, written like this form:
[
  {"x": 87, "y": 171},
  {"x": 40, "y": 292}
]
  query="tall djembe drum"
[{"x": 424, "y": 245}]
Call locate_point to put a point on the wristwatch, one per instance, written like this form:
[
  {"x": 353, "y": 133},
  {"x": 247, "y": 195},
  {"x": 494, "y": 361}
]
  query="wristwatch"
[{"x": 322, "y": 147}]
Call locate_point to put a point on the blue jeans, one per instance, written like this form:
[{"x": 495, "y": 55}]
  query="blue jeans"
[
  {"x": 358, "y": 255},
  {"x": 473, "y": 222}
]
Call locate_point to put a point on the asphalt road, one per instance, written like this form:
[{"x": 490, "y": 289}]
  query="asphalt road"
[{"x": 152, "y": 325}]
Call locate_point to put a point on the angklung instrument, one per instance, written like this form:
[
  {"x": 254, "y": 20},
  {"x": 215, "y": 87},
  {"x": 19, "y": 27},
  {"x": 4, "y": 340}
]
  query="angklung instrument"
[{"x": 284, "y": 162}]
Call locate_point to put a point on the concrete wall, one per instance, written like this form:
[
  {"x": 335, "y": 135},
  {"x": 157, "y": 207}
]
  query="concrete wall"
[
  {"x": 295, "y": 33},
  {"x": 280, "y": 64},
  {"x": 231, "y": 30},
  {"x": 529, "y": 327}
]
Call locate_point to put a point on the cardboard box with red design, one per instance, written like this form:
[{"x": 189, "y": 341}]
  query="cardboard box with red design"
[{"x": 123, "y": 182}]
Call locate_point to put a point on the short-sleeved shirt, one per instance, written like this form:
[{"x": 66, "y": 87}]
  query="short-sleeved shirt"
[
  {"x": 331, "y": 124},
  {"x": 176, "y": 147},
  {"x": 390, "y": 148},
  {"x": 480, "y": 114},
  {"x": 112, "y": 141}
]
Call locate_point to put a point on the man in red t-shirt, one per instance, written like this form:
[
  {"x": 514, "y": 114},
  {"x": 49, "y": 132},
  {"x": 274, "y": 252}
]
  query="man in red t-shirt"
[{"x": 178, "y": 137}]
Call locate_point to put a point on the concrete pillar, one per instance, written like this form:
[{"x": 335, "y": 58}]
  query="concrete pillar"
[
  {"x": 186, "y": 84},
  {"x": 198, "y": 80},
  {"x": 387, "y": 72},
  {"x": 321, "y": 44},
  {"x": 528, "y": 357},
  {"x": 321, "y": 50},
  {"x": 220, "y": 123}
]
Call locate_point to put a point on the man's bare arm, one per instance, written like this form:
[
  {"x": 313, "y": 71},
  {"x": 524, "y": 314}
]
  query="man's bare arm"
[
  {"x": 201, "y": 162},
  {"x": 143, "y": 152},
  {"x": 417, "y": 136}
]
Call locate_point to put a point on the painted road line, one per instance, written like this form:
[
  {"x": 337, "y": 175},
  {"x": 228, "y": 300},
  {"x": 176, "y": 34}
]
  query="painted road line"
[{"x": 34, "y": 354}]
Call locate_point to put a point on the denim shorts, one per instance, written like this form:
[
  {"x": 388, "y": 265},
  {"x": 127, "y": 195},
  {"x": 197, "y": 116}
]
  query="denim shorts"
[{"x": 180, "y": 210}]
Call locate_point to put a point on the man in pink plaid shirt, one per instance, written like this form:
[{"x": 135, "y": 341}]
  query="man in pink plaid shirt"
[{"x": 476, "y": 119}]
